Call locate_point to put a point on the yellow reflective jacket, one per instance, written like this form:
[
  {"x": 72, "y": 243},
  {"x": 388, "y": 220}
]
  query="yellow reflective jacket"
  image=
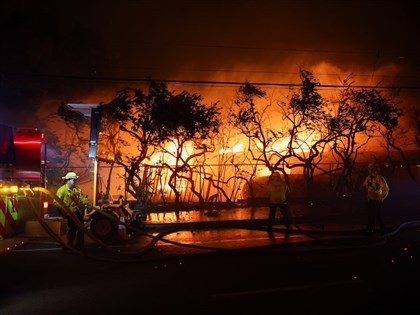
[
  {"x": 278, "y": 191},
  {"x": 377, "y": 187},
  {"x": 73, "y": 198}
]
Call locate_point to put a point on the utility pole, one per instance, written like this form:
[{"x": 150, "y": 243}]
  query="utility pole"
[{"x": 93, "y": 112}]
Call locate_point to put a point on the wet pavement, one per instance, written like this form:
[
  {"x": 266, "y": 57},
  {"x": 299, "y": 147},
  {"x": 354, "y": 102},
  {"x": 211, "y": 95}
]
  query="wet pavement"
[
  {"x": 307, "y": 273},
  {"x": 225, "y": 261},
  {"x": 196, "y": 231}
]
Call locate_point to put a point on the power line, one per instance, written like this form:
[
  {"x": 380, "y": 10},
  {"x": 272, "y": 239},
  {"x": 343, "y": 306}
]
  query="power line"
[{"x": 209, "y": 82}]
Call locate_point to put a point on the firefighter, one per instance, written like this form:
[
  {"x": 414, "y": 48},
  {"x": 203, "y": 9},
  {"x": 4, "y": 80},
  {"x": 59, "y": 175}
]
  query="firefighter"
[
  {"x": 278, "y": 194},
  {"x": 376, "y": 191},
  {"x": 76, "y": 202}
]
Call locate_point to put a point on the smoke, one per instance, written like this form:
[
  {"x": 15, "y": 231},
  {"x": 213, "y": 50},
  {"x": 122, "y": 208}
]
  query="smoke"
[{"x": 82, "y": 51}]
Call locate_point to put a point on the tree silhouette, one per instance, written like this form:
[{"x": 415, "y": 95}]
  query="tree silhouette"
[
  {"x": 253, "y": 124},
  {"x": 360, "y": 115},
  {"x": 188, "y": 126},
  {"x": 163, "y": 140},
  {"x": 307, "y": 118},
  {"x": 297, "y": 141},
  {"x": 262, "y": 139},
  {"x": 312, "y": 126},
  {"x": 150, "y": 122}
]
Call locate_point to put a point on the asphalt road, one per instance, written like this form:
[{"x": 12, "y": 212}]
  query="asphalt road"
[{"x": 328, "y": 274}]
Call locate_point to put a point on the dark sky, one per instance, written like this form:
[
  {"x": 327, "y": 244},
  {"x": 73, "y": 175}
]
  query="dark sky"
[{"x": 84, "y": 51}]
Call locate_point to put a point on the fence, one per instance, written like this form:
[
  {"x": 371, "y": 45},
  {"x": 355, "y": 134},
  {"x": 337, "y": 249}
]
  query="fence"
[{"x": 232, "y": 183}]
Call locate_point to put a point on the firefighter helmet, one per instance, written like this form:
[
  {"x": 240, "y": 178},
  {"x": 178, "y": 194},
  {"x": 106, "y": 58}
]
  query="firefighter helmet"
[{"x": 70, "y": 175}]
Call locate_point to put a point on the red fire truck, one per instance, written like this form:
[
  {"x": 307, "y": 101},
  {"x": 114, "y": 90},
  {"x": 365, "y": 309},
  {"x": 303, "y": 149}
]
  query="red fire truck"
[
  {"x": 22, "y": 166},
  {"x": 23, "y": 171}
]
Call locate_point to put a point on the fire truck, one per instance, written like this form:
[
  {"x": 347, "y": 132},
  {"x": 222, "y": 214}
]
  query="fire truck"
[
  {"x": 23, "y": 172},
  {"x": 22, "y": 166}
]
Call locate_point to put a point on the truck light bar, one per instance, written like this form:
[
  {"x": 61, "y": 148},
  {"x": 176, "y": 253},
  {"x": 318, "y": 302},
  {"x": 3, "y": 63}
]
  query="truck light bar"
[{"x": 9, "y": 189}]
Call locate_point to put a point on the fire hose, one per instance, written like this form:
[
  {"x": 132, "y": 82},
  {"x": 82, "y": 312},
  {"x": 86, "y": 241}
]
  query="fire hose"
[{"x": 122, "y": 256}]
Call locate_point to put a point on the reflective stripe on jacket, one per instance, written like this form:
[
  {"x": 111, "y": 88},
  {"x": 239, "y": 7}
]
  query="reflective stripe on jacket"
[
  {"x": 377, "y": 187},
  {"x": 72, "y": 197}
]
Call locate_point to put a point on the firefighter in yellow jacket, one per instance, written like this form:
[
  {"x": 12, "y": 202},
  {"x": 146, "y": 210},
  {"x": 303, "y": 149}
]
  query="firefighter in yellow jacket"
[
  {"x": 376, "y": 191},
  {"x": 76, "y": 202},
  {"x": 278, "y": 194}
]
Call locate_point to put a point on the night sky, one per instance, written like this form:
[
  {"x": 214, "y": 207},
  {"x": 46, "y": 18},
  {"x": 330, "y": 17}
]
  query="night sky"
[{"x": 84, "y": 51}]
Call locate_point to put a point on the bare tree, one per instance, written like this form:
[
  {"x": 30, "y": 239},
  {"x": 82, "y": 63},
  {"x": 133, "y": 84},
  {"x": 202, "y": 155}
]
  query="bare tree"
[
  {"x": 74, "y": 145},
  {"x": 253, "y": 124},
  {"x": 395, "y": 138},
  {"x": 359, "y": 116},
  {"x": 308, "y": 135},
  {"x": 133, "y": 110},
  {"x": 302, "y": 132},
  {"x": 232, "y": 168},
  {"x": 185, "y": 120}
]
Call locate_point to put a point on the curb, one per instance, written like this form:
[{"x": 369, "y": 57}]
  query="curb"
[{"x": 9, "y": 244}]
